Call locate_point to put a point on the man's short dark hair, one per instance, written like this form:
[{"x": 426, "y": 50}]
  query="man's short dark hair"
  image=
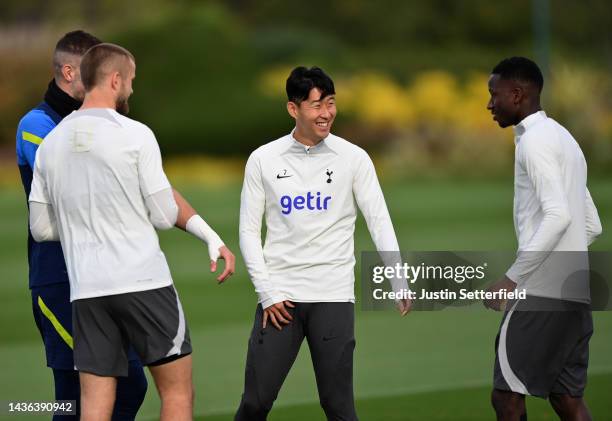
[
  {"x": 521, "y": 69},
  {"x": 302, "y": 80},
  {"x": 96, "y": 62},
  {"x": 73, "y": 43},
  {"x": 76, "y": 42}
]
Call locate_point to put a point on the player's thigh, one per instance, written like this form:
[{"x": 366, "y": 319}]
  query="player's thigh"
[
  {"x": 534, "y": 347},
  {"x": 331, "y": 337},
  {"x": 174, "y": 377},
  {"x": 271, "y": 351},
  {"x": 270, "y": 355},
  {"x": 155, "y": 324},
  {"x": 67, "y": 386},
  {"x": 53, "y": 316},
  {"x": 572, "y": 380},
  {"x": 97, "y": 396},
  {"x": 100, "y": 347}
]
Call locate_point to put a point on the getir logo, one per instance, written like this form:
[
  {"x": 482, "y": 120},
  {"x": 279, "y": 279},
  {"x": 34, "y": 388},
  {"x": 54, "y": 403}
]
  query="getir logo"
[{"x": 310, "y": 202}]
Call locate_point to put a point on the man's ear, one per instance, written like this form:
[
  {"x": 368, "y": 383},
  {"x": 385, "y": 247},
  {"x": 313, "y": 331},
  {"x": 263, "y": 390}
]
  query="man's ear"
[
  {"x": 518, "y": 93},
  {"x": 115, "y": 81},
  {"x": 69, "y": 73},
  {"x": 292, "y": 109}
]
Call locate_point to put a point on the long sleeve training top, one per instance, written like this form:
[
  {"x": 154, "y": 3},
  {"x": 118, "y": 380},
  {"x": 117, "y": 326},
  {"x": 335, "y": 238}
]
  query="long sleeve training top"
[
  {"x": 309, "y": 197},
  {"x": 554, "y": 215}
]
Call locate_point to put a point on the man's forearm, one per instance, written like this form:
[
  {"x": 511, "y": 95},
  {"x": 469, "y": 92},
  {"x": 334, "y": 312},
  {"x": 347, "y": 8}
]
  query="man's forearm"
[
  {"x": 252, "y": 252},
  {"x": 186, "y": 211},
  {"x": 545, "y": 239},
  {"x": 188, "y": 220}
]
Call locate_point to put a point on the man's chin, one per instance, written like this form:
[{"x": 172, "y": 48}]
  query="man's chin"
[
  {"x": 323, "y": 132},
  {"x": 123, "y": 108},
  {"x": 500, "y": 123}
]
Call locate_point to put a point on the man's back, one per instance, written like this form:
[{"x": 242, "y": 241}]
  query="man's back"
[{"x": 96, "y": 167}]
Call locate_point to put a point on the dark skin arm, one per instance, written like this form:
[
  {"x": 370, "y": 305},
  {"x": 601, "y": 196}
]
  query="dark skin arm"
[{"x": 503, "y": 284}]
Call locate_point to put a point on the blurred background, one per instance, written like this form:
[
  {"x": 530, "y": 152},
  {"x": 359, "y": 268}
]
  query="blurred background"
[
  {"x": 411, "y": 79},
  {"x": 411, "y": 75}
]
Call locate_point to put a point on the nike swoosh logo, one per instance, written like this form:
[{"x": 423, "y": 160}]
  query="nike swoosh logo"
[{"x": 283, "y": 176}]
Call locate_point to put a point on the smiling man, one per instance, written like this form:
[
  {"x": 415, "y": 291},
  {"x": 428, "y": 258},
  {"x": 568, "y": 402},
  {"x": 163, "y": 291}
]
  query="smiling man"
[
  {"x": 306, "y": 184},
  {"x": 540, "y": 352}
]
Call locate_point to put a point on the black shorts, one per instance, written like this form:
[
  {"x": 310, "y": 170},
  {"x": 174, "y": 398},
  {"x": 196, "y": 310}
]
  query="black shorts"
[
  {"x": 544, "y": 352},
  {"x": 152, "y": 322}
]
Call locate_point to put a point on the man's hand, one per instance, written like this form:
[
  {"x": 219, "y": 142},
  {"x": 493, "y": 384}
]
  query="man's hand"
[
  {"x": 404, "y": 306},
  {"x": 230, "y": 264},
  {"x": 277, "y": 313},
  {"x": 499, "y": 304}
]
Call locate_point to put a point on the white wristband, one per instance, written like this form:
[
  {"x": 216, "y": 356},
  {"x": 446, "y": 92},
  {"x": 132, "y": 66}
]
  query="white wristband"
[{"x": 199, "y": 228}]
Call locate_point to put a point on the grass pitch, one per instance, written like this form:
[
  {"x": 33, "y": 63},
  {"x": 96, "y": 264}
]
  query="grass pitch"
[{"x": 427, "y": 366}]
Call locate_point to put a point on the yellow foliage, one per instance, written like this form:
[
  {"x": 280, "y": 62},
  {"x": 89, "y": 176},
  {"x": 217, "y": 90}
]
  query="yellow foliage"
[
  {"x": 435, "y": 96},
  {"x": 473, "y": 113},
  {"x": 272, "y": 82},
  {"x": 377, "y": 100},
  {"x": 212, "y": 172},
  {"x": 436, "y": 123}
]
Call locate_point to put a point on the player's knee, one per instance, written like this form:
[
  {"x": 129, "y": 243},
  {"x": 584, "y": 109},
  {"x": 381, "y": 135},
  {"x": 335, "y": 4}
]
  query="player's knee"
[
  {"x": 178, "y": 389},
  {"x": 254, "y": 409},
  {"x": 184, "y": 392},
  {"x": 177, "y": 399},
  {"x": 337, "y": 409},
  {"x": 251, "y": 411}
]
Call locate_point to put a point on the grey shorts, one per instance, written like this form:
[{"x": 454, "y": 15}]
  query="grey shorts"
[
  {"x": 152, "y": 322},
  {"x": 542, "y": 352}
]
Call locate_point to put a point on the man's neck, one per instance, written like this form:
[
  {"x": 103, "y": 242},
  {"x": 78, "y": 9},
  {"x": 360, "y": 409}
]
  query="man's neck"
[
  {"x": 97, "y": 99},
  {"x": 304, "y": 140},
  {"x": 531, "y": 109},
  {"x": 64, "y": 86},
  {"x": 59, "y": 99}
]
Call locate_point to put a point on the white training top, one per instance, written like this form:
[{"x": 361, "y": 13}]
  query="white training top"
[
  {"x": 308, "y": 196},
  {"x": 95, "y": 169},
  {"x": 553, "y": 211}
]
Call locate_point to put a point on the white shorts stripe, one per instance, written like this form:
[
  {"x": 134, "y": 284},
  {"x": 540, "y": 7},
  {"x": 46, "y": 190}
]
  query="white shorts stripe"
[
  {"x": 180, "y": 334},
  {"x": 513, "y": 381}
]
